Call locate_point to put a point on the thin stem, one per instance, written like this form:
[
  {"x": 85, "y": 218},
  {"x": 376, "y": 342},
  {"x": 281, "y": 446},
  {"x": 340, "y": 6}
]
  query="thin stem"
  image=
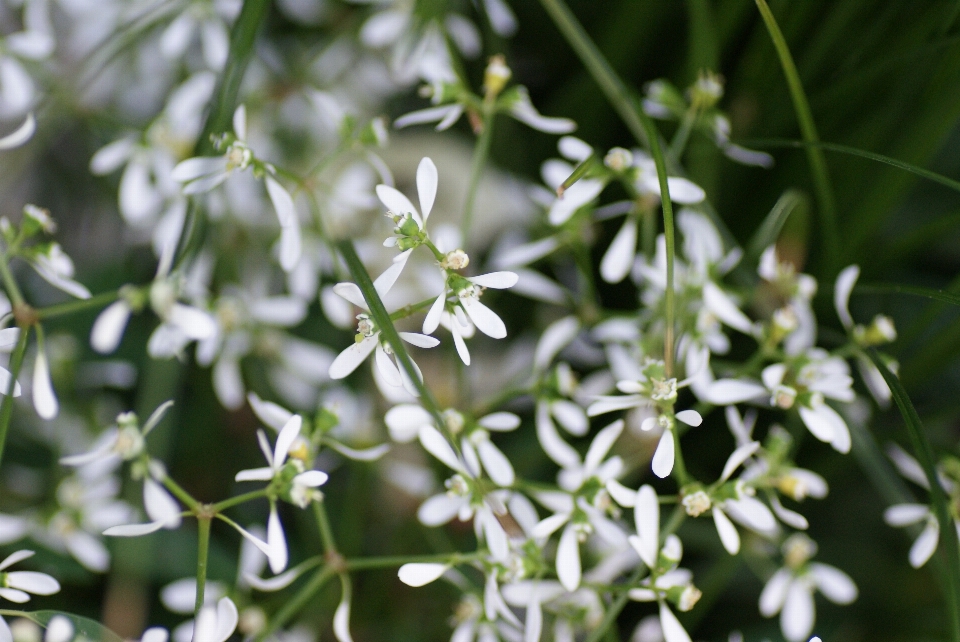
[
  {"x": 480, "y": 154},
  {"x": 815, "y": 158},
  {"x": 80, "y": 305},
  {"x": 203, "y": 546},
  {"x": 240, "y": 499},
  {"x": 293, "y": 606},
  {"x": 181, "y": 494},
  {"x": 370, "y": 563},
  {"x": 224, "y": 103},
  {"x": 678, "y": 464},
  {"x": 668, "y": 232},
  {"x": 6, "y": 405},
  {"x": 389, "y": 332},
  {"x": 679, "y": 142},
  {"x": 16, "y": 297},
  {"x": 326, "y": 533},
  {"x": 611, "y": 85},
  {"x": 610, "y": 618}
]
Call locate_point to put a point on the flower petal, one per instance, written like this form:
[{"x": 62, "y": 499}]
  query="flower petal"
[
  {"x": 419, "y": 574},
  {"x": 568, "y": 559},
  {"x": 348, "y": 360},
  {"x": 646, "y": 515},
  {"x": 727, "y": 531},
  {"x": 618, "y": 259},
  {"x": 662, "y": 463},
  {"x": 426, "y": 186},
  {"x": 484, "y": 318},
  {"x": 673, "y": 631},
  {"x": 841, "y": 293}
]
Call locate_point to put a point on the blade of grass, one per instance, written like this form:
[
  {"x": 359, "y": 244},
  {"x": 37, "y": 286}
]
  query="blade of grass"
[
  {"x": 242, "y": 38},
  {"x": 826, "y": 203},
  {"x": 768, "y": 232},
  {"x": 949, "y": 548},
  {"x": 884, "y": 288}
]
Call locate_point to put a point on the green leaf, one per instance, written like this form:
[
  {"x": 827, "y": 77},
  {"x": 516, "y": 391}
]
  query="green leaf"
[
  {"x": 949, "y": 548},
  {"x": 886, "y": 288},
  {"x": 82, "y": 627},
  {"x": 769, "y": 230}
]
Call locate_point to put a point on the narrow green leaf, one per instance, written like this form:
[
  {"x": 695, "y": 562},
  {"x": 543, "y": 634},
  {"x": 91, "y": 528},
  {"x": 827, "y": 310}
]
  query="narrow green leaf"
[
  {"x": 885, "y": 288},
  {"x": 949, "y": 548},
  {"x": 769, "y": 230},
  {"x": 853, "y": 151},
  {"x": 579, "y": 172},
  {"x": 82, "y": 627},
  {"x": 826, "y": 203}
]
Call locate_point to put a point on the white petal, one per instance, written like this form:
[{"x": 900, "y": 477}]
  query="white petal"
[
  {"x": 277, "y": 542},
  {"x": 833, "y": 583},
  {"x": 348, "y": 360},
  {"x": 499, "y": 421},
  {"x": 662, "y": 463},
  {"x": 727, "y": 531},
  {"x": 796, "y": 619},
  {"x": 216, "y": 47},
  {"x": 428, "y": 115},
  {"x": 568, "y": 559},
  {"x": 397, "y": 203},
  {"x": 624, "y": 496},
  {"x": 723, "y": 307},
  {"x": 841, "y": 293},
  {"x": 421, "y": 574},
  {"x": 673, "y": 631},
  {"x": 240, "y": 124},
  {"x": 110, "y": 158},
  {"x": 388, "y": 370},
  {"x": 484, "y": 318},
  {"x": 194, "y": 168},
  {"x": 787, "y": 516},
  {"x": 905, "y": 514},
  {"x": 133, "y": 530},
  {"x": 436, "y": 444},
  {"x": 176, "y": 37},
  {"x": 730, "y": 391},
  {"x": 646, "y": 515},
  {"x": 59, "y": 629},
  {"x": 404, "y": 421},
  {"x": 527, "y": 114},
  {"x": 495, "y": 463},
  {"x": 549, "y": 526},
  {"x": 601, "y": 445},
  {"x": 20, "y": 135},
  {"x": 311, "y": 478},
  {"x": 33, "y": 582},
  {"x": 690, "y": 417},
  {"x": 44, "y": 398},
  {"x": 89, "y": 551},
  {"x": 752, "y": 513},
  {"x": 495, "y": 280},
  {"x": 432, "y": 320},
  {"x": 139, "y": 200},
  {"x": 228, "y": 382},
  {"x": 193, "y": 322},
  {"x": 160, "y": 505},
  {"x": 738, "y": 456},
  {"x": 619, "y": 257},
  {"x": 273, "y": 415},
  {"x": 359, "y": 454},
  {"x": 439, "y": 509},
  {"x": 684, "y": 191},
  {"x": 533, "y": 625},
  {"x": 553, "y": 445},
  {"x": 462, "y": 351},
  {"x": 341, "y": 620},
  {"x": 554, "y": 338},
  {"x": 419, "y": 340},
  {"x": 5, "y": 381},
  {"x": 494, "y": 535},
  {"x": 570, "y": 416},
  {"x": 155, "y": 634},
  {"x": 775, "y": 592},
  {"x": 275, "y": 583},
  {"x": 108, "y": 329},
  {"x": 925, "y": 544},
  {"x": 289, "y": 434},
  {"x": 385, "y": 281},
  {"x": 351, "y": 293},
  {"x": 227, "y": 619},
  {"x": 283, "y": 311},
  {"x": 426, "y": 186},
  {"x": 13, "y": 595},
  {"x": 13, "y": 558},
  {"x": 255, "y": 474}
]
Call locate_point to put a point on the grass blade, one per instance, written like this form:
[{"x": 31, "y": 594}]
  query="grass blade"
[
  {"x": 885, "y": 288},
  {"x": 768, "y": 232},
  {"x": 949, "y": 548}
]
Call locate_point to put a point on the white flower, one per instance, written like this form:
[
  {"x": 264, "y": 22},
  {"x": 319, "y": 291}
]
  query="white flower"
[
  {"x": 56, "y": 268},
  {"x": 796, "y": 291},
  {"x": 16, "y": 586},
  {"x": 122, "y": 442},
  {"x": 216, "y": 624},
  {"x": 368, "y": 335},
  {"x": 161, "y": 507},
  {"x": 790, "y": 590},
  {"x": 214, "y": 38}
]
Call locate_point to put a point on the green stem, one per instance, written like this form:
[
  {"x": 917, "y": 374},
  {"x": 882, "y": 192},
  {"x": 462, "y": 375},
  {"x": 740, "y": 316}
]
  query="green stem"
[
  {"x": 240, "y": 499},
  {"x": 679, "y": 467},
  {"x": 181, "y": 494},
  {"x": 6, "y": 405},
  {"x": 224, "y": 103},
  {"x": 203, "y": 546},
  {"x": 369, "y": 563},
  {"x": 480, "y": 154},
  {"x": 669, "y": 235},
  {"x": 610, "y": 618},
  {"x": 78, "y": 306},
  {"x": 326, "y": 533},
  {"x": 382, "y": 318},
  {"x": 293, "y": 606},
  {"x": 611, "y": 85},
  {"x": 815, "y": 158},
  {"x": 924, "y": 452},
  {"x": 13, "y": 290},
  {"x": 679, "y": 142}
]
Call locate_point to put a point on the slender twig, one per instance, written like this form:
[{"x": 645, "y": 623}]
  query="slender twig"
[
  {"x": 297, "y": 602},
  {"x": 815, "y": 158},
  {"x": 203, "y": 546},
  {"x": 6, "y": 405},
  {"x": 370, "y": 563},
  {"x": 80, "y": 305},
  {"x": 323, "y": 524},
  {"x": 240, "y": 499},
  {"x": 480, "y": 154}
]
